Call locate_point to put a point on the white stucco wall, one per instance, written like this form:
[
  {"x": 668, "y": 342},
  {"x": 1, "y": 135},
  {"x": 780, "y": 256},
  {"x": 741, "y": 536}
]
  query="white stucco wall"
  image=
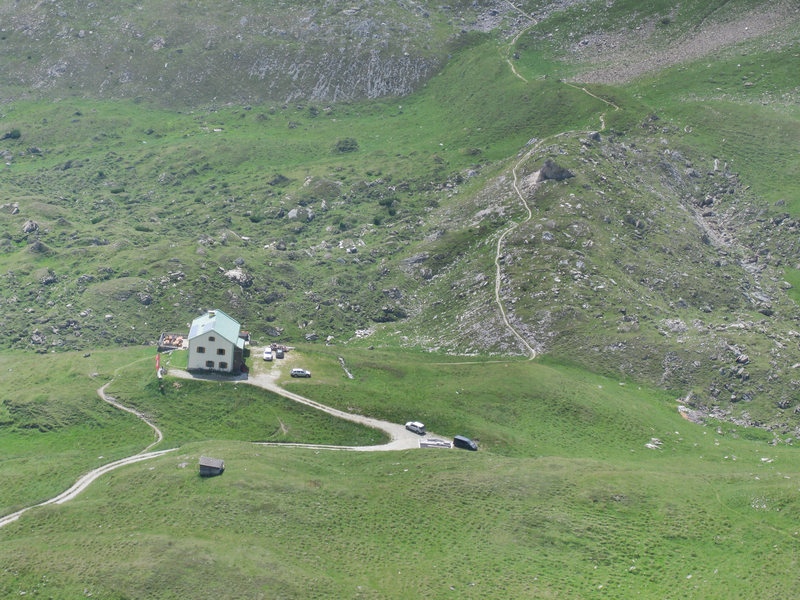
[{"x": 198, "y": 360}]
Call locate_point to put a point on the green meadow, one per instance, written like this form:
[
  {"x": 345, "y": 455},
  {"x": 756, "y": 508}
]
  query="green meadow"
[
  {"x": 563, "y": 499},
  {"x": 123, "y": 214}
]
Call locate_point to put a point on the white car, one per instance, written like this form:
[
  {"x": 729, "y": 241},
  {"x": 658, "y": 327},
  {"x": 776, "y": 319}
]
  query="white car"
[
  {"x": 268, "y": 354},
  {"x": 300, "y": 373},
  {"x": 416, "y": 427}
]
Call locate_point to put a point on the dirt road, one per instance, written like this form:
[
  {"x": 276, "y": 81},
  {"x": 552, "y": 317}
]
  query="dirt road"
[
  {"x": 401, "y": 438},
  {"x": 89, "y": 477},
  {"x": 83, "y": 483}
]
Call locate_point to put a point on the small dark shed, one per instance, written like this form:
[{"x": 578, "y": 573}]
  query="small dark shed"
[{"x": 211, "y": 466}]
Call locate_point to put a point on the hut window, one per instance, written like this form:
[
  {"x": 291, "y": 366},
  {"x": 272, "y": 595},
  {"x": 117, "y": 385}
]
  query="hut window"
[
  {"x": 210, "y": 364},
  {"x": 221, "y": 351},
  {"x": 211, "y": 338},
  {"x": 201, "y": 349},
  {"x": 223, "y": 365}
]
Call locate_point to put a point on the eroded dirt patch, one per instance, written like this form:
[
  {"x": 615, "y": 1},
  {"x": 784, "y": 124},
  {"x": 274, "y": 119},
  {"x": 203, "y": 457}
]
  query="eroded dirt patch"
[{"x": 623, "y": 56}]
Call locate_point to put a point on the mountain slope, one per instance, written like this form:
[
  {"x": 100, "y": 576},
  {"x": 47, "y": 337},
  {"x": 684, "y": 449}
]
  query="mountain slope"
[
  {"x": 243, "y": 52},
  {"x": 665, "y": 257}
]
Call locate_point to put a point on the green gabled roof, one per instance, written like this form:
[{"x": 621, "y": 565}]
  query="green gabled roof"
[{"x": 219, "y": 322}]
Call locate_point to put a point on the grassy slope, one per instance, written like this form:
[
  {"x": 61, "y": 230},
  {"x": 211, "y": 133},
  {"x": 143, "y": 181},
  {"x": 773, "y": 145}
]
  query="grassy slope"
[
  {"x": 243, "y": 52},
  {"x": 139, "y": 209},
  {"x": 626, "y": 256},
  {"x": 740, "y": 109},
  {"x": 300, "y": 524},
  {"x": 55, "y": 426},
  {"x": 562, "y": 500}
]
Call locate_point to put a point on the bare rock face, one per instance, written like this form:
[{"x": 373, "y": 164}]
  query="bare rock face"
[
  {"x": 49, "y": 278},
  {"x": 30, "y": 226},
  {"x": 37, "y": 247},
  {"x": 250, "y": 54}
]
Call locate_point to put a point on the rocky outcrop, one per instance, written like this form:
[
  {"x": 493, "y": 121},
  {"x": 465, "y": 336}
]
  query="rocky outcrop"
[
  {"x": 238, "y": 275},
  {"x": 301, "y": 213},
  {"x": 550, "y": 170}
]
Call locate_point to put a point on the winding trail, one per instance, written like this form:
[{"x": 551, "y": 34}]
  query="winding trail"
[
  {"x": 498, "y": 256},
  {"x": 113, "y": 402},
  {"x": 535, "y": 177},
  {"x": 531, "y": 351},
  {"x": 85, "y": 480},
  {"x": 531, "y": 23},
  {"x": 536, "y": 180}
]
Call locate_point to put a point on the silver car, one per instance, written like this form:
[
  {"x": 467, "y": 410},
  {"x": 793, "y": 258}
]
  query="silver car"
[{"x": 416, "y": 427}]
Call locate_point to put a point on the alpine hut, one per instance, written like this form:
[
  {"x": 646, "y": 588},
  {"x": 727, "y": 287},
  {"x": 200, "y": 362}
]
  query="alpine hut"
[{"x": 215, "y": 344}]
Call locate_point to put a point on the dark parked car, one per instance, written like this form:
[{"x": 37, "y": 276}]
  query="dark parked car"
[{"x": 460, "y": 441}]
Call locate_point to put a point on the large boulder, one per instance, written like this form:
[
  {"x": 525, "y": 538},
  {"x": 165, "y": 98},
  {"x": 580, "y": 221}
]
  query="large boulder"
[
  {"x": 550, "y": 170},
  {"x": 302, "y": 213},
  {"x": 238, "y": 275}
]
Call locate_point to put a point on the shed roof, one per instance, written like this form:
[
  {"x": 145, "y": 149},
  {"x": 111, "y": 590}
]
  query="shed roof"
[
  {"x": 219, "y": 322},
  {"x": 215, "y": 463}
]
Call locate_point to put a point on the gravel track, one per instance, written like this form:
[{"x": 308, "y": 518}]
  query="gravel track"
[
  {"x": 401, "y": 438},
  {"x": 85, "y": 480}
]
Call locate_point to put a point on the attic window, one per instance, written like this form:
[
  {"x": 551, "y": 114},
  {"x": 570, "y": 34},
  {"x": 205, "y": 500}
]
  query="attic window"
[{"x": 211, "y": 338}]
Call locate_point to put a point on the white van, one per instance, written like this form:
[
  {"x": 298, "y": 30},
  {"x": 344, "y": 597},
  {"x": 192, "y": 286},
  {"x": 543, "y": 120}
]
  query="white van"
[{"x": 416, "y": 427}]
